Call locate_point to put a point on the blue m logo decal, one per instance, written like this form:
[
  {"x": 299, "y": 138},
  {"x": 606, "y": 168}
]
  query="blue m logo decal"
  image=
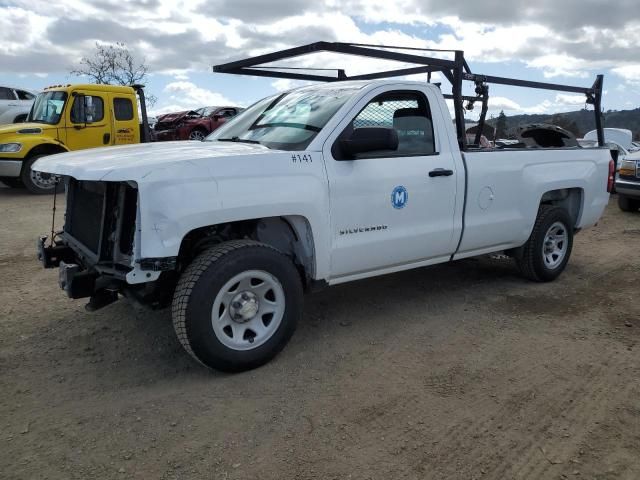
[{"x": 399, "y": 197}]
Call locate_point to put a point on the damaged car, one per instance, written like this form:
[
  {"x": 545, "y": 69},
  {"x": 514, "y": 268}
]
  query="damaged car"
[
  {"x": 192, "y": 124},
  {"x": 544, "y": 135}
]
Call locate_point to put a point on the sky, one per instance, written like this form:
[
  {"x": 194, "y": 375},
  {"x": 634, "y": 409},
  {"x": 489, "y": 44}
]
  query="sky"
[{"x": 566, "y": 41}]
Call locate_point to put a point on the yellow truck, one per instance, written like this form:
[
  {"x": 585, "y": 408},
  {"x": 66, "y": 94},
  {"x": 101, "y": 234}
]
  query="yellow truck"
[{"x": 65, "y": 118}]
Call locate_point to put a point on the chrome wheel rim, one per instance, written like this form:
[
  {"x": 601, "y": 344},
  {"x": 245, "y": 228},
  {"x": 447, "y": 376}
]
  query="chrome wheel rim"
[
  {"x": 43, "y": 180},
  {"x": 556, "y": 242},
  {"x": 197, "y": 135},
  {"x": 248, "y": 310}
]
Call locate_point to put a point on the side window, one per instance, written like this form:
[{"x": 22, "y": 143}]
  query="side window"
[
  {"x": 408, "y": 113},
  {"x": 22, "y": 95},
  {"x": 93, "y": 109},
  {"x": 6, "y": 94},
  {"x": 123, "y": 109},
  {"x": 227, "y": 113}
]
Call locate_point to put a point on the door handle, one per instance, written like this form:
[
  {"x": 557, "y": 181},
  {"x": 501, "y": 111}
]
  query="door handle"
[
  {"x": 105, "y": 138},
  {"x": 440, "y": 172}
]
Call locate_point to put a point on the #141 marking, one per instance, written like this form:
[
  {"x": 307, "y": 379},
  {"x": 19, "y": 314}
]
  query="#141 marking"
[{"x": 304, "y": 158}]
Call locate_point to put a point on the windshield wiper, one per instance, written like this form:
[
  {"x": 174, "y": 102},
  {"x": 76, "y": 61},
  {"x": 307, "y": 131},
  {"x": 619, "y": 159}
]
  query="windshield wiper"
[
  {"x": 302, "y": 126},
  {"x": 238, "y": 139}
]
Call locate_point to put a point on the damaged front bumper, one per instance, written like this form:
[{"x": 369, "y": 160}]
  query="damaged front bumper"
[
  {"x": 103, "y": 285},
  {"x": 95, "y": 251},
  {"x": 166, "y": 135},
  {"x": 72, "y": 277}
]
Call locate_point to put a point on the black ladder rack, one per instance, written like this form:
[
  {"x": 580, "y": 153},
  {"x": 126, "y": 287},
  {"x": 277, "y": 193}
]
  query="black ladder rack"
[{"x": 455, "y": 71}]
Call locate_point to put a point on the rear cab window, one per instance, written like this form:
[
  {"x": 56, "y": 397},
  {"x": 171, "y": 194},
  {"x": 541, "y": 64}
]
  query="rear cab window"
[
  {"x": 123, "y": 109},
  {"x": 22, "y": 95},
  {"x": 7, "y": 94}
]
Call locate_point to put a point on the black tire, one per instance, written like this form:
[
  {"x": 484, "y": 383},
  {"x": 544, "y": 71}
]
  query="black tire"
[
  {"x": 39, "y": 184},
  {"x": 627, "y": 204},
  {"x": 12, "y": 182},
  {"x": 531, "y": 259},
  {"x": 202, "y": 283},
  {"x": 20, "y": 118}
]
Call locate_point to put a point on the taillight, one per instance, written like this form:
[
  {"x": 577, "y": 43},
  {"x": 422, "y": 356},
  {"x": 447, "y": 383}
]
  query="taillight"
[{"x": 612, "y": 176}]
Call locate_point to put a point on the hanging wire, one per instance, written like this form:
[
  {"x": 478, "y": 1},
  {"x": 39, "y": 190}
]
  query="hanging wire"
[{"x": 53, "y": 216}]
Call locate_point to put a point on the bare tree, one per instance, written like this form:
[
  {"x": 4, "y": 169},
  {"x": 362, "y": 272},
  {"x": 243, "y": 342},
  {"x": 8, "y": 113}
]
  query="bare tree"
[{"x": 113, "y": 65}]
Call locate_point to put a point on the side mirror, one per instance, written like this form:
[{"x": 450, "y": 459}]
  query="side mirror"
[
  {"x": 78, "y": 111},
  {"x": 89, "y": 110},
  {"x": 370, "y": 139}
]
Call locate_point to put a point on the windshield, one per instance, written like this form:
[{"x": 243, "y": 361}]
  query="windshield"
[
  {"x": 48, "y": 108},
  {"x": 206, "y": 111},
  {"x": 289, "y": 121}
]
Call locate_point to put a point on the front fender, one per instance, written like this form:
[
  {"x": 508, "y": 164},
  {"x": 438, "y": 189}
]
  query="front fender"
[
  {"x": 30, "y": 144},
  {"x": 172, "y": 207}
]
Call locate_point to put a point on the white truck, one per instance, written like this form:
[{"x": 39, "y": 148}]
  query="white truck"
[
  {"x": 321, "y": 185},
  {"x": 15, "y": 104}
]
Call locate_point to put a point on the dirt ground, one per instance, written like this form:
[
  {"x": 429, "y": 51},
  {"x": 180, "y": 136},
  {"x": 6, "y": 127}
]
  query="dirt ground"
[{"x": 462, "y": 371}]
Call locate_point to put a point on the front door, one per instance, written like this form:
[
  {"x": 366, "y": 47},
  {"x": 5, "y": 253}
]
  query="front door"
[
  {"x": 88, "y": 126},
  {"x": 391, "y": 208}
]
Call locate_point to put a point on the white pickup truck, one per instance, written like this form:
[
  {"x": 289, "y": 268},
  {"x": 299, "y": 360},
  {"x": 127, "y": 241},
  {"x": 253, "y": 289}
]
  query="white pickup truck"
[{"x": 321, "y": 185}]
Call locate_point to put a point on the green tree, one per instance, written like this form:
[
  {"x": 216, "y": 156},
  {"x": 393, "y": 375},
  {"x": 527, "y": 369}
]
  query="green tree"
[{"x": 501, "y": 125}]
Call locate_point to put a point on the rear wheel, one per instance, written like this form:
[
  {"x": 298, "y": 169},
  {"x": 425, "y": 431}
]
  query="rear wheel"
[
  {"x": 198, "y": 134},
  {"x": 40, "y": 183},
  {"x": 545, "y": 255},
  {"x": 627, "y": 204},
  {"x": 236, "y": 306}
]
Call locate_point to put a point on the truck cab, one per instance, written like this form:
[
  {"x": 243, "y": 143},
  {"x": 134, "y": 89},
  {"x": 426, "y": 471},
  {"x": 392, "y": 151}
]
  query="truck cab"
[{"x": 67, "y": 118}]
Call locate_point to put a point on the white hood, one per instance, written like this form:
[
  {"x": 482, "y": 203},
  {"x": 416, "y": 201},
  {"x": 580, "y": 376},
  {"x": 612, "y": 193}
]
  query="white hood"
[
  {"x": 621, "y": 136},
  {"x": 135, "y": 162}
]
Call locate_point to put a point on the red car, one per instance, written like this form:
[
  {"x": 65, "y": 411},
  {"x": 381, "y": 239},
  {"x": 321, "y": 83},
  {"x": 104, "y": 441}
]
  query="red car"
[{"x": 192, "y": 124}]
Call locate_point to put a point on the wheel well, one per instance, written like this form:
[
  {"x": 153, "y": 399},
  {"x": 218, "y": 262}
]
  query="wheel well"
[
  {"x": 46, "y": 149},
  {"x": 568, "y": 198},
  {"x": 291, "y": 235},
  {"x": 20, "y": 118}
]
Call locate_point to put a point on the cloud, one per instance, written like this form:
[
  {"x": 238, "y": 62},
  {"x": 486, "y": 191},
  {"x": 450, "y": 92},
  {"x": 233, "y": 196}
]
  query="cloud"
[
  {"x": 570, "y": 100},
  {"x": 571, "y": 38},
  {"x": 183, "y": 95},
  {"x": 284, "y": 84},
  {"x": 561, "y": 102},
  {"x": 630, "y": 73},
  {"x": 258, "y": 11},
  {"x": 561, "y": 38},
  {"x": 503, "y": 103}
]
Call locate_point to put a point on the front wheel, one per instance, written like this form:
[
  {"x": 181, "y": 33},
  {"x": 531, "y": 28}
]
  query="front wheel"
[
  {"x": 40, "y": 183},
  {"x": 545, "y": 255},
  {"x": 627, "y": 204},
  {"x": 237, "y": 305}
]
